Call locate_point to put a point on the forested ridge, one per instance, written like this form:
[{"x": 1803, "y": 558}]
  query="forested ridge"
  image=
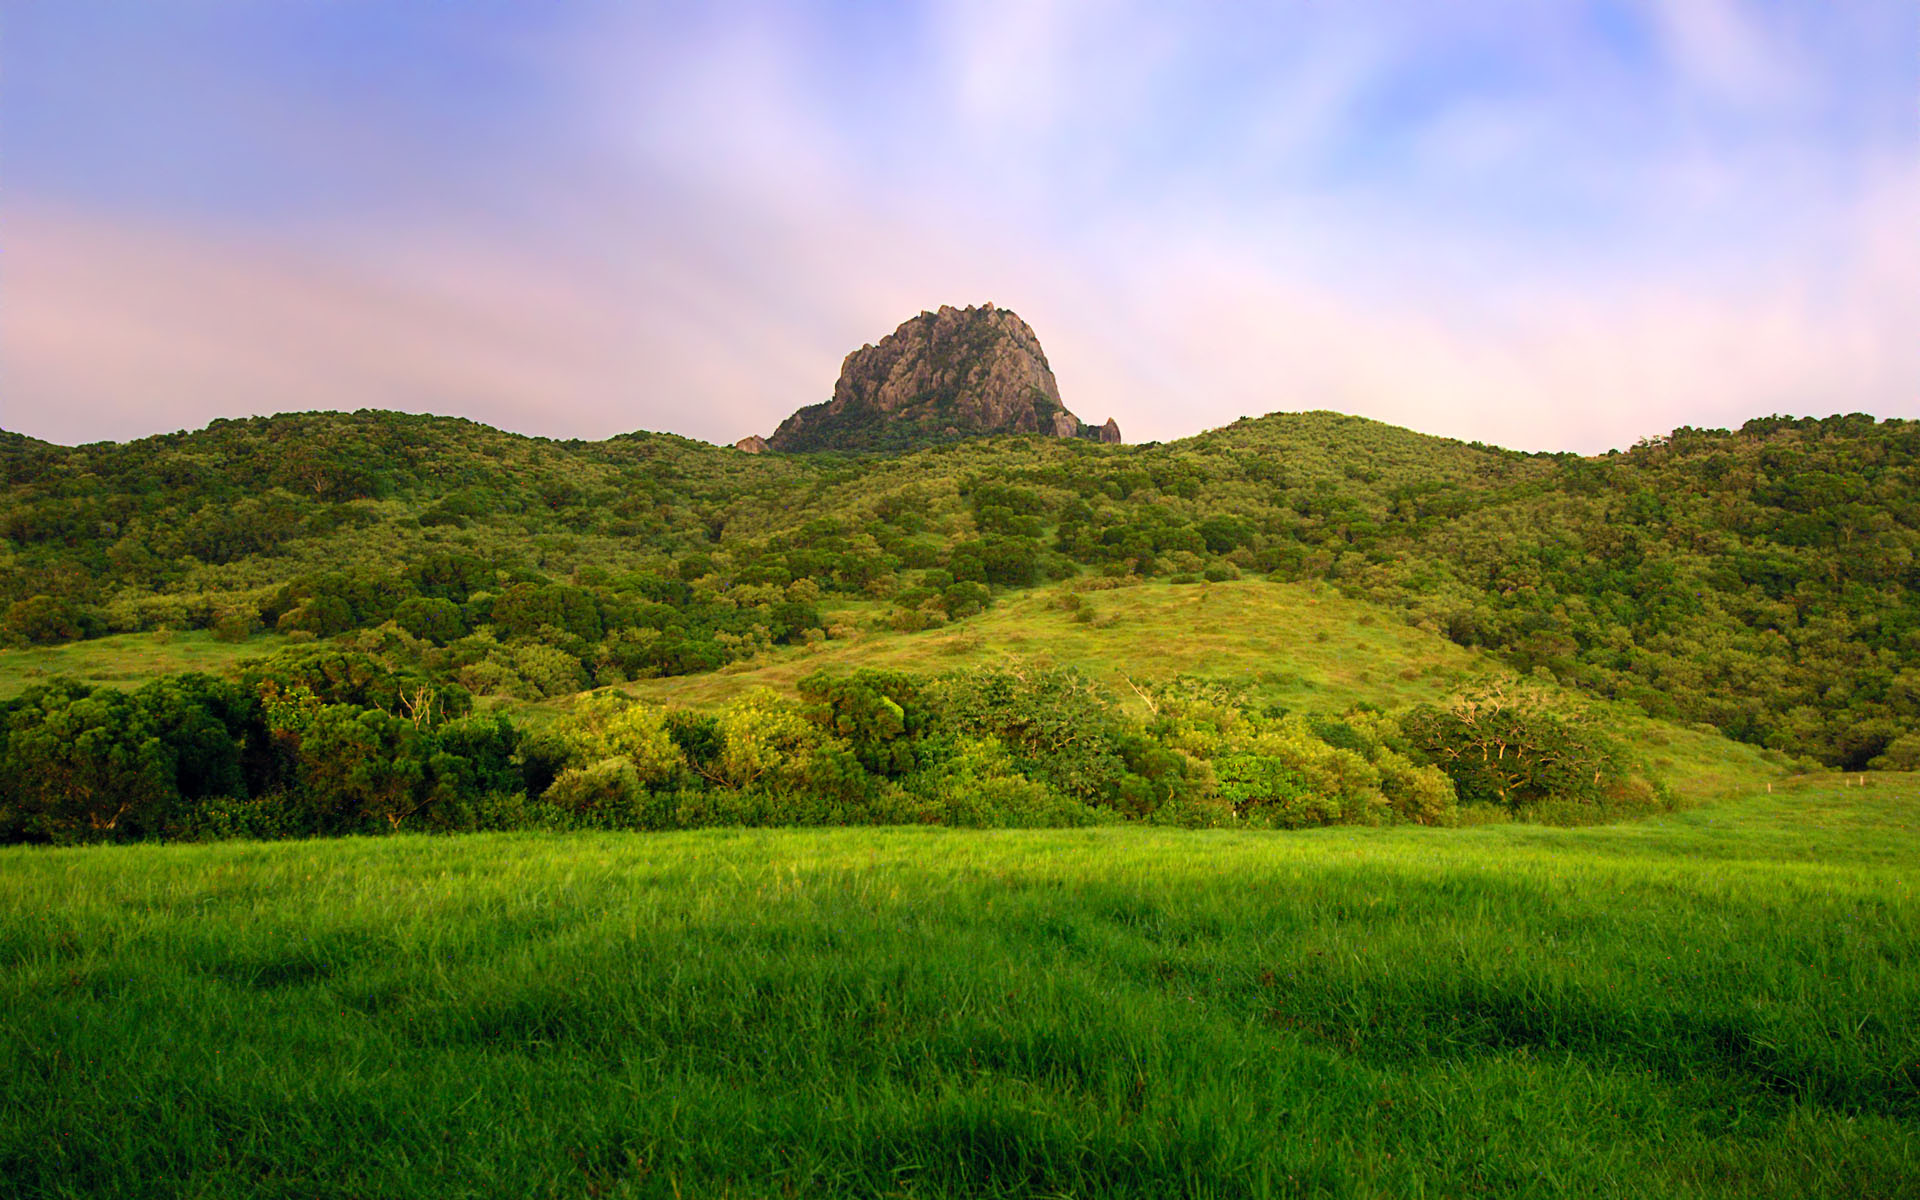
[{"x": 1759, "y": 580}]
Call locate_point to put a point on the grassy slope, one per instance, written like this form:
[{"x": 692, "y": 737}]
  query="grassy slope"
[
  {"x": 1301, "y": 645},
  {"x": 128, "y": 660},
  {"x": 1719, "y": 1003}
]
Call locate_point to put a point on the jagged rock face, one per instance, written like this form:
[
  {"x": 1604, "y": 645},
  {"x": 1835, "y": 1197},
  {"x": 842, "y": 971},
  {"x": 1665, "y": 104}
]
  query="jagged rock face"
[
  {"x": 958, "y": 372},
  {"x": 1110, "y": 432},
  {"x": 753, "y": 443}
]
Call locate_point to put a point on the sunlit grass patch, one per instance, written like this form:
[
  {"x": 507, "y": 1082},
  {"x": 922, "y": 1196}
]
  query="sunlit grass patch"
[
  {"x": 127, "y": 660},
  {"x": 1303, "y": 646},
  {"x": 1298, "y": 644}
]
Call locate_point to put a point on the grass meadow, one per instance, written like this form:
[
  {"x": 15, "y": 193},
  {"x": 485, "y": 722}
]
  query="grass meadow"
[
  {"x": 1720, "y": 1002},
  {"x": 127, "y": 660},
  {"x": 1336, "y": 650}
]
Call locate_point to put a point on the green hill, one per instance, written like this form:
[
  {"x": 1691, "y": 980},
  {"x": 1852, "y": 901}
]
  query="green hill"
[{"x": 1761, "y": 581}]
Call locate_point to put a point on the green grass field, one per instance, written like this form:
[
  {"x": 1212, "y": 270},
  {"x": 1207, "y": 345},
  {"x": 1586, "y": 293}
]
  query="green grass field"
[{"x": 1723, "y": 1002}]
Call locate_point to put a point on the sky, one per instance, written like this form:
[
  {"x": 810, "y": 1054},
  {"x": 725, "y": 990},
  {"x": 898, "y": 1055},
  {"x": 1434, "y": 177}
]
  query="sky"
[{"x": 1545, "y": 224}]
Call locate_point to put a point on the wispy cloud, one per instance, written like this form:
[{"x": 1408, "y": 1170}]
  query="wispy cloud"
[{"x": 1725, "y": 47}]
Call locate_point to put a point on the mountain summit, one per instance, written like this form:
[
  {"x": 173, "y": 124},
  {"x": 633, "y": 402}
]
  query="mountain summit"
[{"x": 958, "y": 372}]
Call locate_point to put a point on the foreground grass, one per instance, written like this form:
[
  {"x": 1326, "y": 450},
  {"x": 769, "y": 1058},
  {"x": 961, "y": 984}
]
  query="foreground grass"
[{"x": 1723, "y": 1002}]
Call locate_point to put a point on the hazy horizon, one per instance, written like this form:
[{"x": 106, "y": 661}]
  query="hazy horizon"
[{"x": 1560, "y": 228}]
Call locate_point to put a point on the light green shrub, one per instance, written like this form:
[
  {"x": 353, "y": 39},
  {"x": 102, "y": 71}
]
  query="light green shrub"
[{"x": 611, "y": 726}]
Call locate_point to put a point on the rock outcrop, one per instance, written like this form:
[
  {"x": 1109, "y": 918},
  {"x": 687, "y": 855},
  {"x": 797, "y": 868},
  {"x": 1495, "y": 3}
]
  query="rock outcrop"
[
  {"x": 1110, "y": 432},
  {"x": 753, "y": 443},
  {"x": 958, "y": 372}
]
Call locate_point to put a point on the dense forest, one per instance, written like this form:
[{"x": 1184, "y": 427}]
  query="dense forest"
[{"x": 1759, "y": 580}]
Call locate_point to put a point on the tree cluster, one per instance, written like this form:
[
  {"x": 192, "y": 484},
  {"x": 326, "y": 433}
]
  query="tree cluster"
[{"x": 320, "y": 741}]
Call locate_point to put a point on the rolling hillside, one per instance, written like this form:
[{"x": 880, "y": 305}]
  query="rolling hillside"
[{"x": 1761, "y": 580}]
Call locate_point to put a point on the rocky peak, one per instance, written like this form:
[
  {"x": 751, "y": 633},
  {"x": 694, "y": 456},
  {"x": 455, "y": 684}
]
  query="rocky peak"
[
  {"x": 753, "y": 443},
  {"x": 958, "y": 372}
]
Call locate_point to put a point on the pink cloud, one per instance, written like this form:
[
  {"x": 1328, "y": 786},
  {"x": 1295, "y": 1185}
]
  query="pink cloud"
[
  {"x": 116, "y": 332},
  {"x": 112, "y": 331}
]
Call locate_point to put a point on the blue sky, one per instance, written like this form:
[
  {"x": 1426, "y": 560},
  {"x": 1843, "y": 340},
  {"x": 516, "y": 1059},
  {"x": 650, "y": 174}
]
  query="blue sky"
[{"x": 1551, "y": 225}]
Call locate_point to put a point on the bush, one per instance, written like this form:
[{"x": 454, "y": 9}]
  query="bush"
[
  {"x": 432, "y": 618},
  {"x": 526, "y": 609},
  {"x": 1518, "y": 746},
  {"x": 233, "y": 627},
  {"x": 1156, "y": 777},
  {"x": 610, "y": 726},
  {"x": 607, "y": 793},
  {"x": 1421, "y": 794},
  {"x": 763, "y": 742},
  {"x": 474, "y": 757},
  {"x": 1267, "y": 789},
  {"x": 84, "y": 765},
  {"x": 914, "y": 620},
  {"x": 547, "y": 670},
  {"x": 348, "y": 677},
  {"x": 336, "y": 601},
  {"x": 1058, "y": 726},
  {"x": 41, "y": 619},
  {"x": 217, "y": 818},
  {"x": 879, "y": 714},
  {"x": 80, "y": 764},
  {"x": 975, "y": 783},
  {"x": 1902, "y": 754},
  {"x": 965, "y": 599},
  {"x": 361, "y": 766}
]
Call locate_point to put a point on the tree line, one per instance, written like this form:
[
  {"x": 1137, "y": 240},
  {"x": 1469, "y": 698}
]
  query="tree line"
[{"x": 318, "y": 741}]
